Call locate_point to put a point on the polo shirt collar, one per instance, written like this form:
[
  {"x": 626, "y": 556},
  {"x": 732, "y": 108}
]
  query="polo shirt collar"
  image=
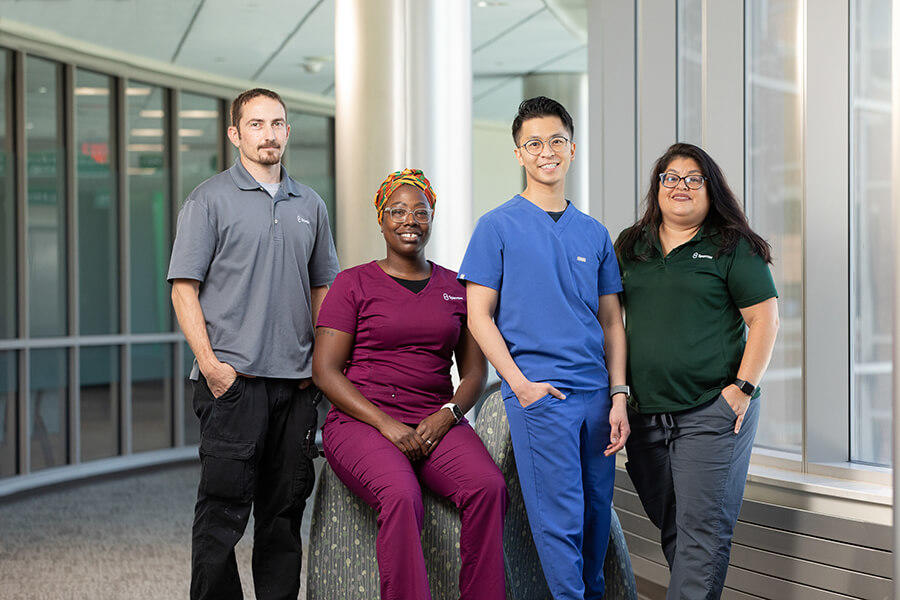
[
  {"x": 245, "y": 181},
  {"x": 652, "y": 237}
]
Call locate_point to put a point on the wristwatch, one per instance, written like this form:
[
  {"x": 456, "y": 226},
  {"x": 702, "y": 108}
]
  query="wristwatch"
[
  {"x": 745, "y": 386},
  {"x": 455, "y": 410},
  {"x": 620, "y": 389}
]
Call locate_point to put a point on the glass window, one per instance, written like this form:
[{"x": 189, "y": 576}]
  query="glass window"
[
  {"x": 774, "y": 193},
  {"x": 150, "y": 216},
  {"x": 99, "y": 371},
  {"x": 98, "y": 226},
  {"x": 690, "y": 65},
  {"x": 7, "y": 205},
  {"x": 46, "y": 212},
  {"x": 870, "y": 185},
  {"x": 151, "y": 396},
  {"x": 9, "y": 384},
  {"x": 49, "y": 374},
  {"x": 191, "y": 421},
  {"x": 310, "y": 156},
  {"x": 199, "y": 132}
]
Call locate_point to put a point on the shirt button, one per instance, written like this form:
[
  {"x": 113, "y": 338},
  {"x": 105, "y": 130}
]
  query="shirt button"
[
  {"x": 276, "y": 220},
  {"x": 393, "y": 395}
]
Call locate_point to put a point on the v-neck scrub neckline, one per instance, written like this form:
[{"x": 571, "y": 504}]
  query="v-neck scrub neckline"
[
  {"x": 394, "y": 279},
  {"x": 549, "y": 289}
]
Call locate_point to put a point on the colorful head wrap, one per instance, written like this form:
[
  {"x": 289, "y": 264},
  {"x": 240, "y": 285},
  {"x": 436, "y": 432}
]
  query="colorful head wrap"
[{"x": 413, "y": 177}]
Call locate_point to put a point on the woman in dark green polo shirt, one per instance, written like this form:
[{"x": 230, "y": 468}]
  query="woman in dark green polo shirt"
[{"x": 694, "y": 274}]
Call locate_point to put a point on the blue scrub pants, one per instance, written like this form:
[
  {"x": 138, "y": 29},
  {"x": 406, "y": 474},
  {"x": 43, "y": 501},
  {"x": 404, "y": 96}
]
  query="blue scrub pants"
[{"x": 567, "y": 486}]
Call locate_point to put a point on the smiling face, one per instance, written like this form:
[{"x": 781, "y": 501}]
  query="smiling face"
[
  {"x": 262, "y": 134},
  {"x": 680, "y": 205},
  {"x": 549, "y": 167},
  {"x": 409, "y": 237}
]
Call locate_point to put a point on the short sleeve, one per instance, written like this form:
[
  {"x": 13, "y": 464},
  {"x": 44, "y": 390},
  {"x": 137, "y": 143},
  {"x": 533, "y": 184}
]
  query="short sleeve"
[
  {"x": 749, "y": 279},
  {"x": 195, "y": 243},
  {"x": 483, "y": 261},
  {"x": 340, "y": 309},
  {"x": 323, "y": 263},
  {"x": 609, "y": 281}
]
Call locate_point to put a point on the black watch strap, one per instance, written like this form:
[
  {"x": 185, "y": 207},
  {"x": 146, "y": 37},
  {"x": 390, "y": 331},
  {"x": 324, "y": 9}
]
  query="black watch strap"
[{"x": 745, "y": 386}]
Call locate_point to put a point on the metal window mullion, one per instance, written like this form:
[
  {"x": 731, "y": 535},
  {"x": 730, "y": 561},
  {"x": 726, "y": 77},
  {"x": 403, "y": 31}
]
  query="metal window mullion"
[
  {"x": 177, "y": 391},
  {"x": 21, "y": 150},
  {"x": 72, "y": 289},
  {"x": 825, "y": 232},
  {"x": 223, "y": 136},
  {"x": 121, "y": 106}
]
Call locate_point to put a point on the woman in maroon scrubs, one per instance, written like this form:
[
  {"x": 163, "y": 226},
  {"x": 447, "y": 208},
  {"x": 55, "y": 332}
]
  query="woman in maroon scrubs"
[{"x": 385, "y": 340}]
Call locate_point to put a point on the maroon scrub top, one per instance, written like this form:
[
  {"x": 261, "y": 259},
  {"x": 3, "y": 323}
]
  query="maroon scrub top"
[{"x": 404, "y": 342}]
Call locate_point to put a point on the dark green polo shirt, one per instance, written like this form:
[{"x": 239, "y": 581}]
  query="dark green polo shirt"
[{"x": 685, "y": 331}]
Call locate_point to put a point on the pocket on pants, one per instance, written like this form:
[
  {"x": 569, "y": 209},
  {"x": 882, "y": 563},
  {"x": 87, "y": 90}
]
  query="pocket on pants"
[{"x": 227, "y": 469}]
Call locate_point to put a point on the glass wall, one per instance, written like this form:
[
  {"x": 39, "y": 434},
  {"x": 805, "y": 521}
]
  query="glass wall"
[
  {"x": 98, "y": 215},
  {"x": 96, "y": 384},
  {"x": 310, "y": 156},
  {"x": 870, "y": 188},
  {"x": 8, "y": 385},
  {"x": 690, "y": 73},
  {"x": 100, "y": 384},
  {"x": 7, "y": 204},
  {"x": 49, "y": 379},
  {"x": 199, "y": 133},
  {"x": 150, "y": 213},
  {"x": 46, "y": 204},
  {"x": 774, "y": 179}
]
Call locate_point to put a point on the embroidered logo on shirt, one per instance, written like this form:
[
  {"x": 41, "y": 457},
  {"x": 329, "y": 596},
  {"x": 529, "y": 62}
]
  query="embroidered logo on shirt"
[
  {"x": 302, "y": 220},
  {"x": 449, "y": 297},
  {"x": 581, "y": 259},
  {"x": 698, "y": 255}
]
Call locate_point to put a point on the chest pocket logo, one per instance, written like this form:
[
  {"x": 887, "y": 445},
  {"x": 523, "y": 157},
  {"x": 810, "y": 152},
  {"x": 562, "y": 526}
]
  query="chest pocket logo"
[
  {"x": 581, "y": 259},
  {"x": 302, "y": 220}
]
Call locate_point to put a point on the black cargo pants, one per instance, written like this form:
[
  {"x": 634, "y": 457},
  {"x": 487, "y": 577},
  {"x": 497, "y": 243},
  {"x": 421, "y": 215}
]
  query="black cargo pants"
[{"x": 257, "y": 441}]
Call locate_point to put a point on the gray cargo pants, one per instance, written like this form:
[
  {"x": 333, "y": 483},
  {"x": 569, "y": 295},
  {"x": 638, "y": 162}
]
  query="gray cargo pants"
[{"x": 689, "y": 470}]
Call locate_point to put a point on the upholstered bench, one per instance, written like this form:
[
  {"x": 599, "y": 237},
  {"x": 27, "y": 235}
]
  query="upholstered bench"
[{"x": 342, "y": 563}]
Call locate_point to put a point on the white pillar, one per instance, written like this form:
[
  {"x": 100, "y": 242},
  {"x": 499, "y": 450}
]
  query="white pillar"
[
  {"x": 895, "y": 183},
  {"x": 570, "y": 90},
  {"x": 403, "y": 98}
]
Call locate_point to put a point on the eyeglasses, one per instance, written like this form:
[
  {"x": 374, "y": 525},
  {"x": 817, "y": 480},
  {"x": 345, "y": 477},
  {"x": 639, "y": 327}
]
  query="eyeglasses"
[
  {"x": 535, "y": 146},
  {"x": 671, "y": 180},
  {"x": 398, "y": 215}
]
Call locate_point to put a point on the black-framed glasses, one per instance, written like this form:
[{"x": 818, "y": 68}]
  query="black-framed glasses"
[
  {"x": 535, "y": 146},
  {"x": 398, "y": 215},
  {"x": 671, "y": 180}
]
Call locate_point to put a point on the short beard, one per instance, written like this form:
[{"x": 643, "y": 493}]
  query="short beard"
[{"x": 264, "y": 158}]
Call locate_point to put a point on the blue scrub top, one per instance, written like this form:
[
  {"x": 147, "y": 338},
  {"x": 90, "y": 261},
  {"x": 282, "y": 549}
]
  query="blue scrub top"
[{"x": 549, "y": 276}]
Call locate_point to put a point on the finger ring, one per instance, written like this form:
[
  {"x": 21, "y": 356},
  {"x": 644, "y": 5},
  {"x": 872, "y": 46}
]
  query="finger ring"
[{"x": 428, "y": 442}]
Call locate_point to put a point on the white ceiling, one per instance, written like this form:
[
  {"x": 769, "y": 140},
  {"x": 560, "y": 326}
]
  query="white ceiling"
[{"x": 282, "y": 42}]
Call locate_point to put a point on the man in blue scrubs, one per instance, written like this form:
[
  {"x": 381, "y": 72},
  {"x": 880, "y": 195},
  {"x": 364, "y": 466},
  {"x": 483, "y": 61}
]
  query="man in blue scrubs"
[{"x": 542, "y": 282}]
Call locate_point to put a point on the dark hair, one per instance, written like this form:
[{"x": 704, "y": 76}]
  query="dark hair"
[
  {"x": 541, "y": 106},
  {"x": 725, "y": 213},
  {"x": 238, "y": 105}
]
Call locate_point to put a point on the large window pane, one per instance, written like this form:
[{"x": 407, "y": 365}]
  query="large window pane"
[
  {"x": 99, "y": 370},
  {"x": 148, "y": 185},
  {"x": 191, "y": 422},
  {"x": 690, "y": 61},
  {"x": 8, "y": 385},
  {"x": 98, "y": 263},
  {"x": 871, "y": 232},
  {"x": 774, "y": 192},
  {"x": 151, "y": 396},
  {"x": 46, "y": 212},
  {"x": 310, "y": 156},
  {"x": 48, "y": 407},
  {"x": 7, "y": 205},
  {"x": 199, "y": 132}
]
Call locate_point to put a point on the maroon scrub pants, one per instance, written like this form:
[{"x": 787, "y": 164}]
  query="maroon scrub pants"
[{"x": 460, "y": 469}]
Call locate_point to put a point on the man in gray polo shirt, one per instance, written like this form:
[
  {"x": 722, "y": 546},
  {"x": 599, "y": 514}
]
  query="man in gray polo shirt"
[{"x": 252, "y": 260}]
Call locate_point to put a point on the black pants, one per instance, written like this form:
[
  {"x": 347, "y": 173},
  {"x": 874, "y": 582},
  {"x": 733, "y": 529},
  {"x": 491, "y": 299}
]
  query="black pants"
[{"x": 256, "y": 448}]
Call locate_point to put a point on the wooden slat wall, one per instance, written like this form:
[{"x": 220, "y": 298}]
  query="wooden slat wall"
[{"x": 779, "y": 553}]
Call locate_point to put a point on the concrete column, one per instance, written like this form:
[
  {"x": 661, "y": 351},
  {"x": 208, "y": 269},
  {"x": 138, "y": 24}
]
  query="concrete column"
[
  {"x": 403, "y": 98},
  {"x": 570, "y": 90},
  {"x": 895, "y": 183}
]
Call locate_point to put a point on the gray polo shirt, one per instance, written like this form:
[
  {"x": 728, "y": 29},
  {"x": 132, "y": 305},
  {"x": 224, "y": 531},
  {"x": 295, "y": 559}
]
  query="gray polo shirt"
[{"x": 255, "y": 258}]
